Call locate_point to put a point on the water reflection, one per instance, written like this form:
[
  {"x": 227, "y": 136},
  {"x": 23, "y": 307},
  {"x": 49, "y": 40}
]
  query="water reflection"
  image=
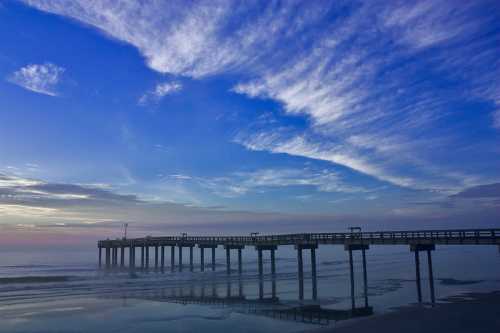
[{"x": 230, "y": 294}]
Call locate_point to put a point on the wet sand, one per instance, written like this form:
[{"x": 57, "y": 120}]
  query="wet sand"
[{"x": 465, "y": 314}]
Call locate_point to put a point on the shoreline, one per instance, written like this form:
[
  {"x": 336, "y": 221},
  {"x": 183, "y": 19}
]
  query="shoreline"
[{"x": 470, "y": 312}]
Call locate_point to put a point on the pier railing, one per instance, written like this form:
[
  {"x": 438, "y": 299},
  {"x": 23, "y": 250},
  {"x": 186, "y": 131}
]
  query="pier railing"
[{"x": 447, "y": 236}]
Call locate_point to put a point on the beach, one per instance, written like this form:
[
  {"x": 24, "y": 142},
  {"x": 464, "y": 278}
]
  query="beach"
[{"x": 478, "y": 312}]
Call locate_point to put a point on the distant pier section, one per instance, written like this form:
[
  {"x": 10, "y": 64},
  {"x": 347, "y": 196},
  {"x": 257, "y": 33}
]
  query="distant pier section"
[{"x": 355, "y": 240}]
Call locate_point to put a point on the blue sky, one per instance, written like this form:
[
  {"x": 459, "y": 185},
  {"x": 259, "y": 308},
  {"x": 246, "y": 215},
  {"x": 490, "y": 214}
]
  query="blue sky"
[{"x": 248, "y": 113}]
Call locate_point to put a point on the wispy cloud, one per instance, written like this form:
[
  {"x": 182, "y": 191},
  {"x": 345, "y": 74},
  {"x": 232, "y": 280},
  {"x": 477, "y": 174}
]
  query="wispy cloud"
[
  {"x": 27, "y": 204},
  {"x": 260, "y": 181},
  {"x": 160, "y": 91},
  {"x": 300, "y": 146},
  {"x": 197, "y": 40},
  {"x": 40, "y": 78},
  {"x": 427, "y": 23},
  {"x": 371, "y": 79}
]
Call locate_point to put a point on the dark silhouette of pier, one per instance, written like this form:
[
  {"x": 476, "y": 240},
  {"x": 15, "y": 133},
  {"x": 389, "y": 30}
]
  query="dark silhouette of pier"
[{"x": 417, "y": 240}]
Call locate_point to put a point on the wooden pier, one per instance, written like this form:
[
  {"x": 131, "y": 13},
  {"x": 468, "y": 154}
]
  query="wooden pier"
[{"x": 417, "y": 240}]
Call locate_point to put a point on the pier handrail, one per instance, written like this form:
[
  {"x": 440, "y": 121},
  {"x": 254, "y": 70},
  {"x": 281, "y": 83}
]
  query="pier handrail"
[{"x": 286, "y": 239}]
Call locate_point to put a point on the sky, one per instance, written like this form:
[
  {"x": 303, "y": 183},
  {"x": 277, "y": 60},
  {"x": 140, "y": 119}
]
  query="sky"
[{"x": 224, "y": 117}]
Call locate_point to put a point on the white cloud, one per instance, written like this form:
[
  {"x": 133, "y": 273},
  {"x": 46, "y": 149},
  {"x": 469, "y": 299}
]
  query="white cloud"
[
  {"x": 239, "y": 183},
  {"x": 356, "y": 78},
  {"x": 14, "y": 181},
  {"x": 427, "y": 23},
  {"x": 41, "y": 78},
  {"x": 197, "y": 40},
  {"x": 22, "y": 210},
  {"x": 300, "y": 146},
  {"x": 160, "y": 91}
]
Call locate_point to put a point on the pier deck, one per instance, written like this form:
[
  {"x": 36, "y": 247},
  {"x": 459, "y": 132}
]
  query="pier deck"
[{"x": 438, "y": 237}]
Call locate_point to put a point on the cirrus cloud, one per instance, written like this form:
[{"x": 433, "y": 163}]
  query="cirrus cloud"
[{"x": 39, "y": 78}]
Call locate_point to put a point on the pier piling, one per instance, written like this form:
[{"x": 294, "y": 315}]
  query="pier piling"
[
  {"x": 191, "y": 267},
  {"x": 213, "y": 258},
  {"x": 365, "y": 277},
  {"x": 108, "y": 258},
  {"x": 122, "y": 257},
  {"x": 428, "y": 247},
  {"x": 142, "y": 257},
  {"x": 180, "y": 258},
  {"x": 240, "y": 264},
  {"x": 313, "y": 269},
  {"x": 431, "y": 277},
  {"x": 362, "y": 248},
  {"x": 417, "y": 271},
  {"x": 100, "y": 255},
  {"x": 351, "y": 274},
  {"x": 301, "y": 272},
  {"x": 156, "y": 257},
  {"x": 228, "y": 261},
  {"x": 202, "y": 259},
  {"x": 162, "y": 261},
  {"x": 131, "y": 264},
  {"x": 172, "y": 258}
]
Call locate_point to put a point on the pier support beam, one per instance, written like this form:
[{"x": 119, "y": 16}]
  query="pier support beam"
[
  {"x": 122, "y": 257},
  {"x": 228, "y": 249},
  {"x": 131, "y": 258},
  {"x": 313, "y": 270},
  {"x": 301, "y": 273},
  {"x": 114, "y": 255},
  {"x": 428, "y": 248},
  {"x": 172, "y": 258},
  {"x": 240, "y": 264},
  {"x": 202, "y": 259},
  {"x": 162, "y": 262},
  {"x": 100, "y": 257},
  {"x": 351, "y": 271},
  {"x": 362, "y": 248},
  {"x": 112, "y": 262},
  {"x": 142, "y": 257},
  {"x": 180, "y": 258},
  {"x": 156, "y": 257},
  {"x": 272, "y": 249},
  {"x": 108, "y": 258},
  {"x": 191, "y": 266},
  {"x": 202, "y": 254},
  {"x": 300, "y": 262},
  {"x": 147, "y": 257},
  {"x": 431, "y": 277},
  {"x": 273, "y": 273},
  {"x": 365, "y": 277},
  {"x": 417, "y": 271},
  {"x": 213, "y": 258},
  {"x": 273, "y": 262},
  {"x": 261, "y": 270}
]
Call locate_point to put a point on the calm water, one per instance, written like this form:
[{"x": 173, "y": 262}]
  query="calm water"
[{"x": 76, "y": 297}]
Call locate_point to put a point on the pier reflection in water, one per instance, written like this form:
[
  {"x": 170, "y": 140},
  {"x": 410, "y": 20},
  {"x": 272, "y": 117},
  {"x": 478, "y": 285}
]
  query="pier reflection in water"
[{"x": 231, "y": 295}]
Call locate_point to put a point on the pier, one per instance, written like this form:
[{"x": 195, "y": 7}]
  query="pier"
[{"x": 352, "y": 242}]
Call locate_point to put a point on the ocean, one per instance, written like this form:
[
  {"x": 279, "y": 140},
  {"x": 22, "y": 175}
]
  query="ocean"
[{"x": 46, "y": 291}]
